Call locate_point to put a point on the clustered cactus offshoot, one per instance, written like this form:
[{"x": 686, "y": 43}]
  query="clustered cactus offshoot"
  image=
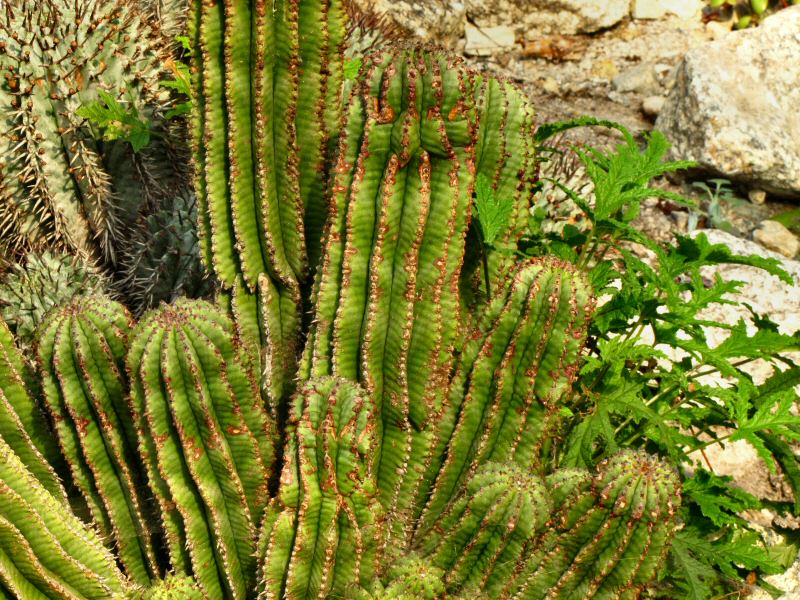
[{"x": 408, "y": 449}]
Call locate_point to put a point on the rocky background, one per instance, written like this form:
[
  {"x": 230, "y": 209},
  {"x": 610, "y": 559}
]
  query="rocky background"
[{"x": 729, "y": 100}]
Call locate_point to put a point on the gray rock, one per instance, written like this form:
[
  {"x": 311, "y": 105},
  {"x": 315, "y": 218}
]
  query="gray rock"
[
  {"x": 733, "y": 108},
  {"x": 648, "y": 9},
  {"x": 548, "y": 16},
  {"x": 641, "y": 79},
  {"x": 441, "y": 21},
  {"x": 488, "y": 40},
  {"x": 774, "y": 236}
]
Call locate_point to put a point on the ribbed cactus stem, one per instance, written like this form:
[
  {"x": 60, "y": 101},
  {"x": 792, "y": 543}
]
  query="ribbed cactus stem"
[
  {"x": 45, "y": 551},
  {"x": 407, "y": 578},
  {"x": 609, "y": 536},
  {"x": 320, "y": 535},
  {"x": 174, "y": 587},
  {"x": 22, "y": 424},
  {"x": 82, "y": 349},
  {"x": 521, "y": 357},
  {"x": 482, "y": 534},
  {"x": 206, "y": 440},
  {"x": 267, "y": 100},
  {"x": 387, "y": 290}
]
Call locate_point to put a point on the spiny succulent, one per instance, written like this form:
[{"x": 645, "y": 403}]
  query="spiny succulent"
[
  {"x": 415, "y": 458},
  {"x": 161, "y": 258},
  {"x": 40, "y": 282},
  {"x": 56, "y": 57},
  {"x": 322, "y": 531}
]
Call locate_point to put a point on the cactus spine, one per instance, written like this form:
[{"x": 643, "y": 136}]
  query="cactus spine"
[
  {"x": 81, "y": 358},
  {"x": 321, "y": 532},
  {"x": 206, "y": 439}
]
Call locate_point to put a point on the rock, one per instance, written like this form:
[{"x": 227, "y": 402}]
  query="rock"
[
  {"x": 686, "y": 9},
  {"x": 440, "y": 21},
  {"x": 757, "y": 196},
  {"x": 717, "y": 29},
  {"x": 733, "y": 108},
  {"x": 656, "y": 9},
  {"x": 551, "y": 86},
  {"x": 489, "y": 40},
  {"x": 548, "y": 16},
  {"x": 604, "y": 68},
  {"x": 774, "y": 236},
  {"x": 641, "y": 79},
  {"x": 648, "y": 9},
  {"x": 652, "y": 105}
]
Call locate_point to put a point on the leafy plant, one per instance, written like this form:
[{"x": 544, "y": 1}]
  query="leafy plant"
[
  {"x": 646, "y": 381},
  {"x": 748, "y": 13}
]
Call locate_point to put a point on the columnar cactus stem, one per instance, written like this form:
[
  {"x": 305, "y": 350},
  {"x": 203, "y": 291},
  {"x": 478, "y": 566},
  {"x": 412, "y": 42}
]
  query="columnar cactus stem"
[
  {"x": 387, "y": 290},
  {"x": 268, "y": 98},
  {"x": 321, "y": 533},
  {"x": 206, "y": 439},
  {"x": 82, "y": 349},
  {"x": 610, "y": 534},
  {"x": 22, "y": 425},
  {"x": 45, "y": 551},
  {"x": 521, "y": 357}
]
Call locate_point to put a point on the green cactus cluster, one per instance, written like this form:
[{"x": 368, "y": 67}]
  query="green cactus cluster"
[{"x": 371, "y": 409}]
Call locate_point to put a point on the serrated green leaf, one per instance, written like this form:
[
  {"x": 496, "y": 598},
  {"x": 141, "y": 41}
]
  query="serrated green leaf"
[{"x": 493, "y": 213}]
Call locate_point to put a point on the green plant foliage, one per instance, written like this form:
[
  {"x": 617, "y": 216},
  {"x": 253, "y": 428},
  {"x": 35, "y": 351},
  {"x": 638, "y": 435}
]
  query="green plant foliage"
[
  {"x": 631, "y": 394},
  {"x": 747, "y": 13},
  {"x": 39, "y": 283},
  {"x": 63, "y": 62}
]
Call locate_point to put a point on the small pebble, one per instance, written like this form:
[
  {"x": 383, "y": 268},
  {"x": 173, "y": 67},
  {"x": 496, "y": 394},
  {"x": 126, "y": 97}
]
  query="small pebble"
[
  {"x": 652, "y": 105},
  {"x": 776, "y": 237},
  {"x": 757, "y": 196}
]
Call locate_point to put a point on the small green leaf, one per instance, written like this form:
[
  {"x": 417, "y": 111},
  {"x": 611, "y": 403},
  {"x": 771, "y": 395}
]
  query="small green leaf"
[
  {"x": 351, "y": 68},
  {"x": 493, "y": 213}
]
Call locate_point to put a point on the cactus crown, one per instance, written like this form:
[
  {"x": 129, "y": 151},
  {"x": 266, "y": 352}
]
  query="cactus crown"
[{"x": 414, "y": 459}]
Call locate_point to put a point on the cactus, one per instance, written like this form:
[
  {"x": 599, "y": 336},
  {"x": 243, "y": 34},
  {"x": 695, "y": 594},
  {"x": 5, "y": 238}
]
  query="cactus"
[
  {"x": 206, "y": 440},
  {"x": 174, "y": 587},
  {"x": 481, "y": 536},
  {"x": 33, "y": 287},
  {"x": 81, "y": 356},
  {"x": 321, "y": 532},
  {"x": 517, "y": 364},
  {"x": 419, "y": 126},
  {"x": 161, "y": 258},
  {"x": 610, "y": 536},
  {"x": 55, "y": 58},
  {"x": 45, "y": 551},
  {"x": 22, "y": 424}
]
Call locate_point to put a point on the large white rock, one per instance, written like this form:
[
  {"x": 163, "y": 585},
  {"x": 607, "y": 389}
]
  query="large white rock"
[
  {"x": 440, "y": 21},
  {"x": 548, "y": 16},
  {"x": 734, "y": 106}
]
